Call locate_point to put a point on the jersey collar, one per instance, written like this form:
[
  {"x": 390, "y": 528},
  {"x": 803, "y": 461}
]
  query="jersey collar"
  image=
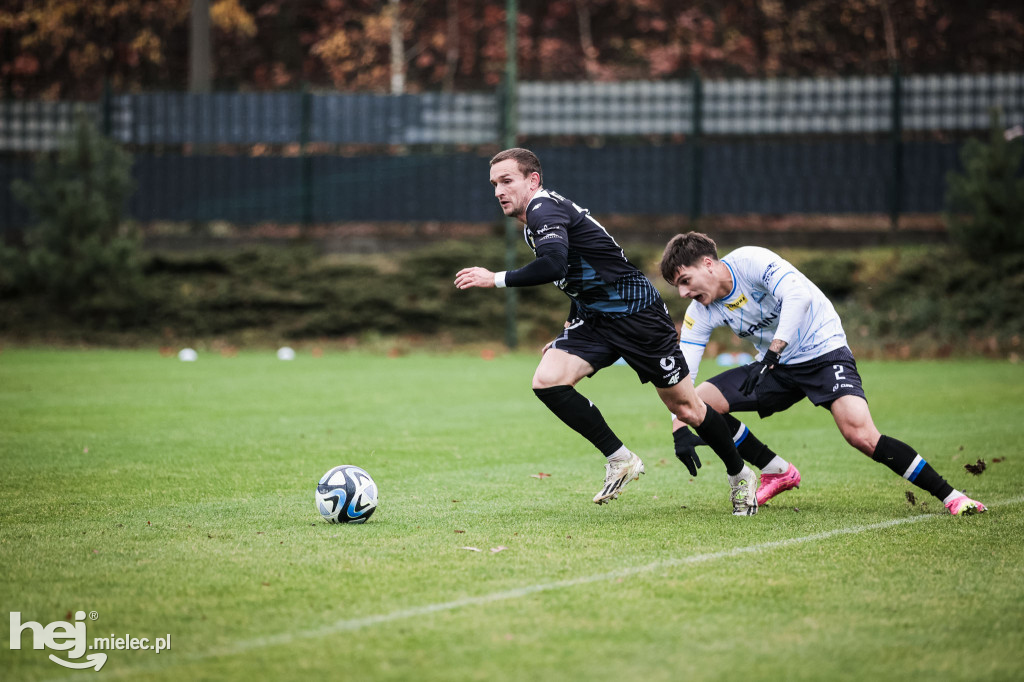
[{"x": 732, "y": 291}]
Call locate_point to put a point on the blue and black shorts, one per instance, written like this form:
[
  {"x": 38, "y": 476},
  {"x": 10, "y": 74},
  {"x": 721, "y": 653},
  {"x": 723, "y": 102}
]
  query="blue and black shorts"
[
  {"x": 822, "y": 381},
  {"x": 647, "y": 340}
]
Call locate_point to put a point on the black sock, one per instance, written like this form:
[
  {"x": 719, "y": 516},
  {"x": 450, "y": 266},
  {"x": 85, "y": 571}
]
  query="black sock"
[
  {"x": 715, "y": 432},
  {"x": 750, "y": 448},
  {"x": 580, "y": 415},
  {"x": 902, "y": 459}
]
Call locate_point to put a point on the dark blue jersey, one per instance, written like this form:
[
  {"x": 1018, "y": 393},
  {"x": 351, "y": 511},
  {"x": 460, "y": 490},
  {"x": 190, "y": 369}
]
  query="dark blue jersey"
[{"x": 575, "y": 252}]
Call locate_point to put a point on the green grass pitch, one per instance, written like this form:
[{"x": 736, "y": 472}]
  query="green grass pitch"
[{"x": 171, "y": 498}]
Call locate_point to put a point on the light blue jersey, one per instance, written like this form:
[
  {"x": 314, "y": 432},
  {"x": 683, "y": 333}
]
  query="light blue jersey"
[{"x": 770, "y": 299}]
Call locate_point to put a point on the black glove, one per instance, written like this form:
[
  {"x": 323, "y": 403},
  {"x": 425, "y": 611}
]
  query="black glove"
[
  {"x": 757, "y": 370},
  {"x": 686, "y": 448}
]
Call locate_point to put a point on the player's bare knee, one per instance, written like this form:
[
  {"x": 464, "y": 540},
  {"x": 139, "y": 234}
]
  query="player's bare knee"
[
  {"x": 861, "y": 440},
  {"x": 705, "y": 391},
  {"x": 689, "y": 414},
  {"x": 542, "y": 382},
  {"x": 712, "y": 397},
  {"x": 550, "y": 379}
]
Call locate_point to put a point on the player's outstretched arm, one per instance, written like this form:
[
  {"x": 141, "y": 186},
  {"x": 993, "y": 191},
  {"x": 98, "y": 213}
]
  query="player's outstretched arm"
[{"x": 474, "y": 277}]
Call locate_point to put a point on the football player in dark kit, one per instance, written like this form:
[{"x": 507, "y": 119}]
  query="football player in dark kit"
[{"x": 615, "y": 312}]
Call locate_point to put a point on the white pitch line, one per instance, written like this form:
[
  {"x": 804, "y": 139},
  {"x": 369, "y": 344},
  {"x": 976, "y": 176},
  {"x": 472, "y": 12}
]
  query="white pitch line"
[{"x": 350, "y": 624}]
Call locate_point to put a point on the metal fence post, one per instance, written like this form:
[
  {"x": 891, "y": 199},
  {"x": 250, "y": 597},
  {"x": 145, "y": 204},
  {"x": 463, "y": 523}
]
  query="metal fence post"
[
  {"x": 306, "y": 116},
  {"x": 106, "y": 103},
  {"x": 697, "y": 148},
  {"x": 896, "y": 188},
  {"x": 510, "y": 125}
]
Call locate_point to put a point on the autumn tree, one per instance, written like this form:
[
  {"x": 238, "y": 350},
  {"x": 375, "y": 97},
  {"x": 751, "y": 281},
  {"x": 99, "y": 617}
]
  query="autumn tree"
[{"x": 68, "y": 48}]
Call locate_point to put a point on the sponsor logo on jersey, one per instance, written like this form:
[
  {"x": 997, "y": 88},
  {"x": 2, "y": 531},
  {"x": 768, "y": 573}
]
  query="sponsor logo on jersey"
[
  {"x": 758, "y": 296},
  {"x": 550, "y": 236},
  {"x": 688, "y": 322},
  {"x": 754, "y": 328},
  {"x": 674, "y": 379},
  {"x": 769, "y": 272},
  {"x": 668, "y": 364},
  {"x": 738, "y": 303},
  {"x": 536, "y": 206}
]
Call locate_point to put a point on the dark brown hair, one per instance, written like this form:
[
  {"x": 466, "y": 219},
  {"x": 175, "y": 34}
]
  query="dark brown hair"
[
  {"x": 685, "y": 250},
  {"x": 527, "y": 161}
]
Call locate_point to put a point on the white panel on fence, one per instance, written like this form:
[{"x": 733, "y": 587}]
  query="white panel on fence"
[{"x": 730, "y": 107}]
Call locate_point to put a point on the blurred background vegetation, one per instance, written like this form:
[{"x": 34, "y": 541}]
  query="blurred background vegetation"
[
  {"x": 68, "y": 48},
  {"x": 85, "y": 271}
]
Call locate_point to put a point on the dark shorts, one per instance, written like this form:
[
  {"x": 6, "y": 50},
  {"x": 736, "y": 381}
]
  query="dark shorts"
[
  {"x": 821, "y": 380},
  {"x": 646, "y": 340}
]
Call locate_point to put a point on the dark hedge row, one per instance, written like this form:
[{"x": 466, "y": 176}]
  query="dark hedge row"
[{"x": 929, "y": 299}]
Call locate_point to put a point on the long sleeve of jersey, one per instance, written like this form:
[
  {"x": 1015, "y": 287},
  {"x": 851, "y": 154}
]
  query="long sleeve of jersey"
[
  {"x": 694, "y": 337},
  {"x": 550, "y": 265},
  {"x": 796, "y": 299}
]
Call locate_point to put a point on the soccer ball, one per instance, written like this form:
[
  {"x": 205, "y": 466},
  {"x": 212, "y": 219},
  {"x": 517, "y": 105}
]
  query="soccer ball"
[{"x": 346, "y": 494}]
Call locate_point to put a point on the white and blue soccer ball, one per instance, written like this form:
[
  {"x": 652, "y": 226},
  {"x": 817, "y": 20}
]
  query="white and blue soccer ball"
[{"x": 346, "y": 494}]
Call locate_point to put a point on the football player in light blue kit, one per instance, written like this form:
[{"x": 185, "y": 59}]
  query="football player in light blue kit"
[{"x": 802, "y": 352}]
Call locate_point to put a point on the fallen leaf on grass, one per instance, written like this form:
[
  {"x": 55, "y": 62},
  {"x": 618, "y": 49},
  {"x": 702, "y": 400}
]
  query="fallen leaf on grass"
[
  {"x": 997, "y": 460},
  {"x": 499, "y": 548},
  {"x": 910, "y": 497},
  {"x": 472, "y": 549},
  {"x": 540, "y": 475},
  {"x": 460, "y": 531},
  {"x": 976, "y": 469}
]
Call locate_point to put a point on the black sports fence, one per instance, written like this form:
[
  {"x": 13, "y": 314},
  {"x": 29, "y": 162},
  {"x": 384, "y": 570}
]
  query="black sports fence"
[{"x": 815, "y": 145}]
